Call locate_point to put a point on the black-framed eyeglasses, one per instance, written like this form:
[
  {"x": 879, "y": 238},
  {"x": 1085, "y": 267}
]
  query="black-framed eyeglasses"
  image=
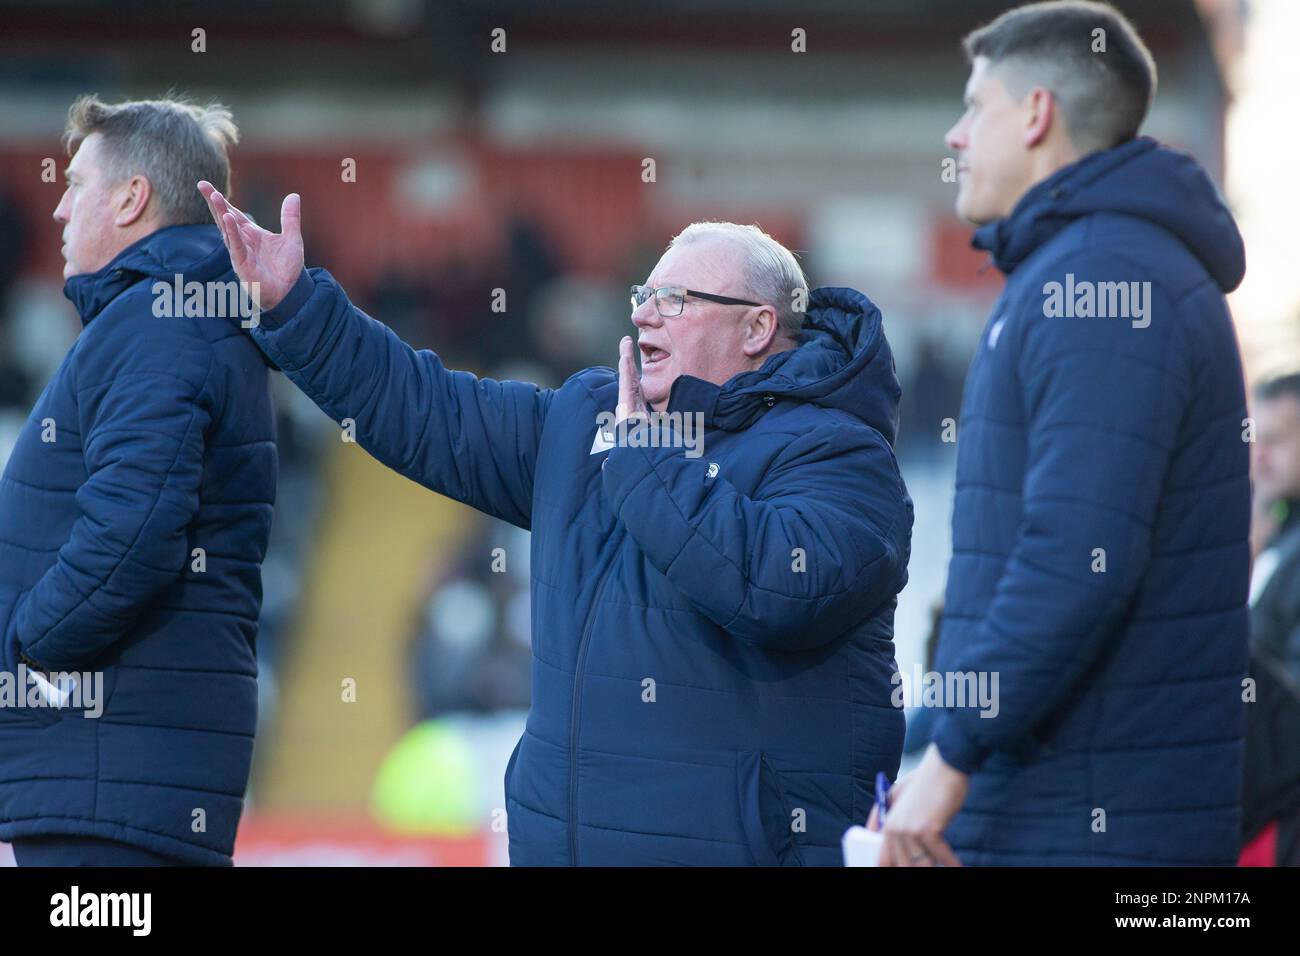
[{"x": 671, "y": 299}]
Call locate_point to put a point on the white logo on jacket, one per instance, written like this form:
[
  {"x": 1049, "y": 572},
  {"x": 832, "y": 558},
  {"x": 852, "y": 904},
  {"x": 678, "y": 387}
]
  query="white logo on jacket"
[
  {"x": 995, "y": 332},
  {"x": 604, "y": 441}
]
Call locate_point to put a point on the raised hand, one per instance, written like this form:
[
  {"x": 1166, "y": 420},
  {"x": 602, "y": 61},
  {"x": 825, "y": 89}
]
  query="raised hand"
[
  {"x": 273, "y": 260},
  {"x": 631, "y": 403}
]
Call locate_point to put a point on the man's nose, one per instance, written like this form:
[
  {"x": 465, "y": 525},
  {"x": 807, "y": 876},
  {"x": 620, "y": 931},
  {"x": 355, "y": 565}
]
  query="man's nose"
[
  {"x": 646, "y": 316},
  {"x": 954, "y": 139}
]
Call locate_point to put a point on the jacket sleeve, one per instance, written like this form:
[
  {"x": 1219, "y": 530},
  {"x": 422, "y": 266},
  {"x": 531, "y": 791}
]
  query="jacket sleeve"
[
  {"x": 474, "y": 440},
  {"x": 1102, "y": 402},
  {"x": 820, "y": 545},
  {"x": 144, "y": 406}
]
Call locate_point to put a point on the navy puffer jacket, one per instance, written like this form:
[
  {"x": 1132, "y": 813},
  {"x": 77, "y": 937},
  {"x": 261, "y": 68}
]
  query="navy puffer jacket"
[
  {"x": 162, "y": 443},
  {"x": 1100, "y": 560},
  {"x": 712, "y": 636}
]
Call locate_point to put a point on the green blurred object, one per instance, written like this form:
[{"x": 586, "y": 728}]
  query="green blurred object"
[{"x": 427, "y": 785}]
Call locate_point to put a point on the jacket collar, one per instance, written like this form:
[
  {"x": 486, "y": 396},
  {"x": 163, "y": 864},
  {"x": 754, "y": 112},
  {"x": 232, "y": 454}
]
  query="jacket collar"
[
  {"x": 691, "y": 395},
  {"x": 1041, "y": 212},
  {"x": 194, "y": 251}
]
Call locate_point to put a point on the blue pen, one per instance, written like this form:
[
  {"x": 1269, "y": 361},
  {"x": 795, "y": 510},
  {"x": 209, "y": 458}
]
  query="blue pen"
[{"x": 882, "y": 796}]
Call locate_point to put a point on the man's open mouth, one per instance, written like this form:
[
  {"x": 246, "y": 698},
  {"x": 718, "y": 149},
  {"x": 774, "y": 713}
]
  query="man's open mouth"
[{"x": 651, "y": 355}]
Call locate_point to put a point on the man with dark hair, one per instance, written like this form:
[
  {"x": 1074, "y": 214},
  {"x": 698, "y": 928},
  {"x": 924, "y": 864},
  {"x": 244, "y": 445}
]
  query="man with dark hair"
[
  {"x": 1271, "y": 795},
  {"x": 1100, "y": 555},
  {"x": 134, "y": 516},
  {"x": 1275, "y": 581}
]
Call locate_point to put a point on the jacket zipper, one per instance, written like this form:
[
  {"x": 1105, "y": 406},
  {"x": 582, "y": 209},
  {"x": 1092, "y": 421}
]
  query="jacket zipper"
[{"x": 575, "y": 712}]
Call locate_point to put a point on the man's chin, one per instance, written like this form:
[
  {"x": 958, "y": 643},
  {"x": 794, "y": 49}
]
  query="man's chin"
[
  {"x": 656, "y": 398},
  {"x": 967, "y": 211}
]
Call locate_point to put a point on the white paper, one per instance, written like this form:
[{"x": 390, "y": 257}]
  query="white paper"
[{"x": 862, "y": 846}]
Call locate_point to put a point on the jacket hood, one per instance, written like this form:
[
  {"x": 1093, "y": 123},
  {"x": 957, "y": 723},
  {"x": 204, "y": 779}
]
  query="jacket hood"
[
  {"x": 1139, "y": 178},
  {"x": 194, "y": 251},
  {"x": 843, "y": 361}
]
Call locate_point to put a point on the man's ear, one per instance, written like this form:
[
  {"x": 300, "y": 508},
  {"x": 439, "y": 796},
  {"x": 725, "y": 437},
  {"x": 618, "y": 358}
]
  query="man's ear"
[
  {"x": 761, "y": 330},
  {"x": 133, "y": 199},
  {"x": 1038, "y": 118}
]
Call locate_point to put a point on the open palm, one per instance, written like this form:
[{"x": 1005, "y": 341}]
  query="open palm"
[{"x": 272, "y": 260}]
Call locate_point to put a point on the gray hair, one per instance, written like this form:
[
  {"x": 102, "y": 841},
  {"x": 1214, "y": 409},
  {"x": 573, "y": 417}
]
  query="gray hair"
[
  {"x": 171, "y": 142},
  {"x": 772, "y": 272}
]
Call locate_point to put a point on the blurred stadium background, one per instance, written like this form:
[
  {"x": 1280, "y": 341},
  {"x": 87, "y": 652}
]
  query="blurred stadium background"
[{"x": 522, "y": 170}]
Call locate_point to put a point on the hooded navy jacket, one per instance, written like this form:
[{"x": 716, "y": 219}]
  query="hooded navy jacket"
[
  {"x": 1100, "y": 560},
  {"x": 712, "y": 636},
  {"x": 154, "y": 438}
]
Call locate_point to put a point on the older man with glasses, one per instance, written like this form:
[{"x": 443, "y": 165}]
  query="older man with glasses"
[{"x": 712, "y": 635}]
